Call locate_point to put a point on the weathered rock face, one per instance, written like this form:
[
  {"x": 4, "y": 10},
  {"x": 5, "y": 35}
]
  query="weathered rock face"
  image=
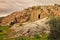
[
  {"x": 1, "y": 18},
  {"x": 32, "y": 14},
  {"x": 30, "y": 29},
  {"x": 16, "y": 17}
]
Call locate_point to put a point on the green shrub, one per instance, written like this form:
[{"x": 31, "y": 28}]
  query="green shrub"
[{"x": 55, "y": 28}]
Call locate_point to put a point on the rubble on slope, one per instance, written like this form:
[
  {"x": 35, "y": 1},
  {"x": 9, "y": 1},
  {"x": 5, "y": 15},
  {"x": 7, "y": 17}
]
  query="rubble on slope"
[{"x": 30, "y": 29}]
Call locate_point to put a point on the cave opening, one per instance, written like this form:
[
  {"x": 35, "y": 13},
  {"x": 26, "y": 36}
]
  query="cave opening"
[{"x": 39, "y": 16}]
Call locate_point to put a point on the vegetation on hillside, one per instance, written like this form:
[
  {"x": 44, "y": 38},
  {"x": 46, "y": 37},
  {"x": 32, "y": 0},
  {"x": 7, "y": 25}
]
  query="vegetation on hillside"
[
  {"x": 45, "y": 11},
  {"x": 4, "y": 31},
  {"x": 54, "y": 22},
  {"x": 55, "y": 28}
]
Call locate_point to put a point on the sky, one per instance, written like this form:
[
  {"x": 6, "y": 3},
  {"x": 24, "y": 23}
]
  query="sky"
[{"x": 9, "y": 6}]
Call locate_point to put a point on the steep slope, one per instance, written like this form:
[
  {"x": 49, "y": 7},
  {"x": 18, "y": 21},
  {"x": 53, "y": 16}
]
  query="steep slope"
[
  {"x": 30, "y": 29},
  {"x": 1, "y": 18},
  {"x": 15, "y": 17},
  {"x": 31, "y": 14}
]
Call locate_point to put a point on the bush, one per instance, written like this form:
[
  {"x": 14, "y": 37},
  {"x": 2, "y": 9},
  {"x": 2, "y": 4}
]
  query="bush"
[{"x": 55, "y": 28}]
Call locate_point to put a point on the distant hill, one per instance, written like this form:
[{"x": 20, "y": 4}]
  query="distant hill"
[{"x": 31, "y": 14}]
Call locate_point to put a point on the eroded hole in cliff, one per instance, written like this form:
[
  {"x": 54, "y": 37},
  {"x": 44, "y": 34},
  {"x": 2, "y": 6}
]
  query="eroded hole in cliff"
[{"x": 39, "y": 16}]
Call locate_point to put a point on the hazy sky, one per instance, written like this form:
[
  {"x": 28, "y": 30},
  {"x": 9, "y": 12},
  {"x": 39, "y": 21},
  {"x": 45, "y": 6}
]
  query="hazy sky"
[{"x": 8, "y": 6}]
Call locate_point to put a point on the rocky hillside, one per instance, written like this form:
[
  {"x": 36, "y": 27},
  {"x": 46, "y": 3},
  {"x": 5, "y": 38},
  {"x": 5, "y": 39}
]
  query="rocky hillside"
[
  {"x": 26, "y": 14},
  {"x": 30, "y": 29},
  {"x": 1, "y": 18},
  {"x": 31, "y": 22}
]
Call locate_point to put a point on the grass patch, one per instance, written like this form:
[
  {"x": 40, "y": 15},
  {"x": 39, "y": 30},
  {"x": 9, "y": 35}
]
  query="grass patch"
[
  {"x": 36, "y": 37},
  {"x": 3, "y": 31}
]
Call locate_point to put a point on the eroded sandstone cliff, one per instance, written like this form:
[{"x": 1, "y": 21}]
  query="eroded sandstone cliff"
[{"x": 31, "y": 14}]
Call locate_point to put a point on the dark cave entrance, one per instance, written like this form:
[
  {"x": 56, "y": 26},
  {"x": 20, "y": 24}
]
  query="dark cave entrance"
[{"x": 39, "y": 16}]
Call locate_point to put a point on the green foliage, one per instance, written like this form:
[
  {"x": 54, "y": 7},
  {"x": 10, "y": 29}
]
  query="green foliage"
[
  {"x": 25, "y": 38},
  {"x": 45, "y": 37},
  {"x": 2, "y": 29},
  {"x": 36, "y": 37},
  {"x": 1, "y": 36},
  {"x": 6, "y": 28},
  {"x": 55, "y": 28}
]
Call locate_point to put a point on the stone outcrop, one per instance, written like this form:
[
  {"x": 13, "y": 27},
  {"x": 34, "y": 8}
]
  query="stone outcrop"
[
  {"x": 1, "y": 18},
  {"x": 15, "y": 17},
  {"x": 30, "y": 29},
  {"x": 31, "y": 14}
]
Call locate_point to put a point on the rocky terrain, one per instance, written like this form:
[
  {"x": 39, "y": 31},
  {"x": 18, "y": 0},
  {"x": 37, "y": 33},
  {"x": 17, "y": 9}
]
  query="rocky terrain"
[
  {"x": 26, "y": 23},
  {"x": 26, "y": 14},
  {"x": 30, "y": 29}
]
